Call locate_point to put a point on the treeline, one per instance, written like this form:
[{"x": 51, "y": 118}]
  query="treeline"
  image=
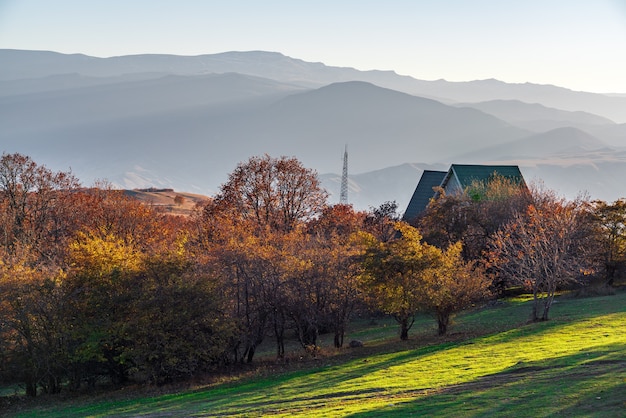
[{"x": 97, "y": 286}]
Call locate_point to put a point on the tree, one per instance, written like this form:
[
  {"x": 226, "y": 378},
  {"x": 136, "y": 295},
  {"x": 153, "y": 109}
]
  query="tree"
[
  {"x": 306, "y": 295},
  {"x": 34, "y": 205},
  {"x": 473, "y": 215},
  {"x": 339, "y": 257},
  {"x": 381, "y": 221},
  {"x": 94, "y": 283},
  {"x": 611, "y": 222},
  {"x": 454, "y": 286},
  {"x": 545, "y": 248},
  {"x": 179, "y": 200},
  {"x": 100, "y": 295},
  {"x": 178, "y": 326},
  {"x": 274, "y": 192},
  {"x": 104, "y": 210},
  {"x": 32, "y": 332},
  {"x": 247, "y": 233},
  {"x": 115, "y": 236},
  {"x": 395, "y": 272},
  {"x": 245, "y": 261}
]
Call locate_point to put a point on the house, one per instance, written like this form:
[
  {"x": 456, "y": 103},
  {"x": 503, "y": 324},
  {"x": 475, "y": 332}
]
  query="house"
[
  {"x": 455, "y": 180},
  {"x": 423, "y": 193}
]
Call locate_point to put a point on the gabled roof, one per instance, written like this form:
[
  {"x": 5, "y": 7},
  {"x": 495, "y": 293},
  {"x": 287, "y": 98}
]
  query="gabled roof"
[
  {"x": 423, "y": 193},
  {"x": 460, "y": 176},
  {"x": 457, "y": 178}
]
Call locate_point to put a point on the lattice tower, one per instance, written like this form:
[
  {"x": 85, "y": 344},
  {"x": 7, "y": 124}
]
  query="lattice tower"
[{"x": 343, "y": 196}]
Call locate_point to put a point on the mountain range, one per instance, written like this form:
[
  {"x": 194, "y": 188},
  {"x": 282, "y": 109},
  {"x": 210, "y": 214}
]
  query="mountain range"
[{"x": 185, "y": 122}]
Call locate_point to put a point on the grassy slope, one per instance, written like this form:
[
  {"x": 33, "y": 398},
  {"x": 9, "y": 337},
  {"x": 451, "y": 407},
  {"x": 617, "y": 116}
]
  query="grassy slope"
[
  {"x": 165, "y": 200},
  {"x": 573, "y": 365}
]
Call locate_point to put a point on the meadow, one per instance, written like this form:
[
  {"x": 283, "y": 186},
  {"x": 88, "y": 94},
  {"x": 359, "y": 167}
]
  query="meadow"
[{"x": 492, "y": 364}]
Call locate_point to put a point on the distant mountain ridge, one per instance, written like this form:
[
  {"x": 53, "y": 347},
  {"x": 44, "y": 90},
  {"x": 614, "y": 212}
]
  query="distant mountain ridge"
[
  {"x": 537, "y": 117},
  {"x": 381, "y": 126},
  {"x": 20, "y": 64},
  {"x": 185, "y": 122},
  {"x": 556, "y": 142}
]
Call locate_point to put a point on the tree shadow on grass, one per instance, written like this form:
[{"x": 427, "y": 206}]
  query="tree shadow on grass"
[
  {"x": 260, "y": 396},
  {"x": 326, "y": 381},
  {"x": 587, "y": 383}
]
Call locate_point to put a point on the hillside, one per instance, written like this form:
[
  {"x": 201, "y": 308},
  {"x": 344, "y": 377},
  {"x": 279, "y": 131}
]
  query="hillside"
[
  {"x": 494, "y": 365},
  {"x": 168, "y": 200}
]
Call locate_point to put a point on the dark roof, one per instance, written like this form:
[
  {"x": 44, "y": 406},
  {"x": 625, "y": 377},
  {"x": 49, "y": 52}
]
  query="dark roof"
[
  {"x": 465, "y": 174},
  {"x": 462, "y": 176},
  {"x": 423, "y": 193}
]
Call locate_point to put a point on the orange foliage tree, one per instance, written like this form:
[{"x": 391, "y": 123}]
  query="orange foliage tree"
[
  {"x": 338, "y": 257},
  {"x": 35, "y": 204},
  {"x": 545, "y": 248},
  {"x": 395, "y": 272},
  {"x": 610, "y": 219},
  {"x": 246, "y": 235},
  {"x": 406, "y": 275}
]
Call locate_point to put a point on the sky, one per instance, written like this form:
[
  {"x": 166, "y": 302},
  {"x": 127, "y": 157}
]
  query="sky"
[{"x": 578, "y": 44}]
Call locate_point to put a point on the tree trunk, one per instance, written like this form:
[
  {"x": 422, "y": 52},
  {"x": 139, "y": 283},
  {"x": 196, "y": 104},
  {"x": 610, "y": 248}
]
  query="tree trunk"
[
  {"x": 338, "y": 341},
  {"x": 307, "y": 334},
  {"x": 611, "y": 272},
  {"x": 311, "y": 335},
  {"x": 443, "y": 319},
  {"x": 404, "y": 329},
  {"x": 250, "y": 354},
  {"x": 52, "y": 385},
  {"x": 279, "y": 331},
  {"x": 547, "y": 304},
  {"x": 534, "y": 317},
  {"x": 31, "y": 389}
]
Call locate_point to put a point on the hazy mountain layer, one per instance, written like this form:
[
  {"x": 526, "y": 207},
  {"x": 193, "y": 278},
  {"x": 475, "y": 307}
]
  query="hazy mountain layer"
[
  {"x": 381, "y": 127},
  {"x": 538, "y": 118},
  {"x": 185, "y": 122},
  {"x": 554, "y": 143},
  {"x": 133, "y": 129},
  {"x": 18, "y": 64}
]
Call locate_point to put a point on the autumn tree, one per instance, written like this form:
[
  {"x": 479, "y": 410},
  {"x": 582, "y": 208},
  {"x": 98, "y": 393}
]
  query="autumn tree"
[
  {"x": 274, "y": 192},
  {"x": 545, "y": 248},
  {"x": 32, "y": 332},
  {"x": 245, "y": 232},
  {"x": 472, "y": 215},
  {"x": 100, "y": 294},
  {"x": 335, "y": 236},
  {"x": 305, "y": 295},
  {"x": 611, "y": 223},
  {"x": 104, "y": 210},
  {"x": 179, "y": 200},
  {"x": 92, "y": 283},
  {"x": 34, "y": 204},
  {"x": 232, "y": 250},
  {"x": 455, "y": 285},
  {"x": 178, "y": 324},
  {"x": 395, "y": 272},
  {"x": 380, "y": 221}
]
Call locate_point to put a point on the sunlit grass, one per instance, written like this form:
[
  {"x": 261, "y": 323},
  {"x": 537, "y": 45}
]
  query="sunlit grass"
[{"x": 574, "y": 364}]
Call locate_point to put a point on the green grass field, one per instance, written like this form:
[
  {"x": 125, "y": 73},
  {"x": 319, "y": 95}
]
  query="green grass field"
[{"x": 493, "y": 364}]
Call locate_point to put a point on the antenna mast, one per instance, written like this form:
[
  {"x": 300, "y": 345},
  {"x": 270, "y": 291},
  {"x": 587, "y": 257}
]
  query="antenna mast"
[{"x": 343, "y": 196}]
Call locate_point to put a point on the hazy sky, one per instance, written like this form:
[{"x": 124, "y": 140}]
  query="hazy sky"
[{"x": 579, "y": 44}]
